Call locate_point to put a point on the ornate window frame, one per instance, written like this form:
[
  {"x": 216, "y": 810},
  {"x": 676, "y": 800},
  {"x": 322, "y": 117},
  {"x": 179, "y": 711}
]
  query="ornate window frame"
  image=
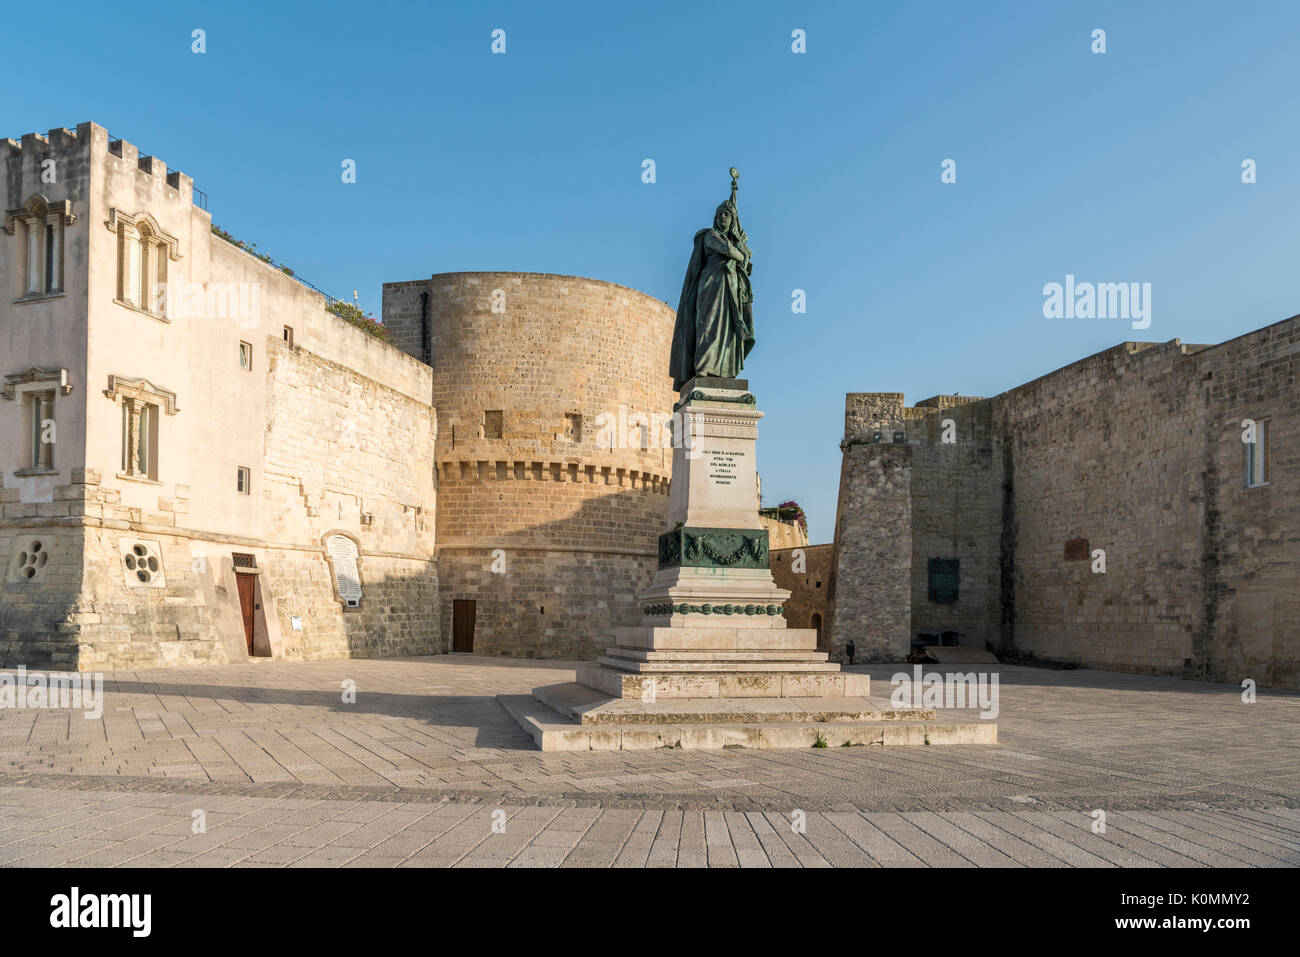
[
  {"x": 44, "y": 386},
  {"x": 44, "y": 224},
  {"x": 136, "y": 394},
  {"x": 144, "y": 250}
]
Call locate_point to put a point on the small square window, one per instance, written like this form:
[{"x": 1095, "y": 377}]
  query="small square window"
[
  {"x": 243, "y": 480},
  {"x": 246, "y": 356},
  {"x": 573, "y": 426},
  {"x": 288, "y": 336},
  {"x": 1257, "y": 456}
]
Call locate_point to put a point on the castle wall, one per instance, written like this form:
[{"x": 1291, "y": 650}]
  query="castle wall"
[
  {"x": 783, "y": 534},
  {"x": 806, "y": 571},
  {"x": 958, "y": 502},
  {"x": 1250, "y": 563},
  {"x": 336, "y": 434},
  {"x": 553, "y": 466},
  {"x": 345, "y": 453},
  {"x": 40, "y": 580},
  {"x": 1136, "y": 453},
  {"x": 870, "y": 590}
]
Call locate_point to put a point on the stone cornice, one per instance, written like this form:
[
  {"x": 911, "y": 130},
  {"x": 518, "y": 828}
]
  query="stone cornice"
[
  {"x": 38, "y": 209},
  {"x": 141, "y": 389},
  {"x": 118, "y": 218},
  {"x": 57, "y": 378}
]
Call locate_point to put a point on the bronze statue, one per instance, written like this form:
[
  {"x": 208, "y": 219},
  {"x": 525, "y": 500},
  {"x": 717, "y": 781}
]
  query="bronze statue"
[{"x": 715, "y": 315}]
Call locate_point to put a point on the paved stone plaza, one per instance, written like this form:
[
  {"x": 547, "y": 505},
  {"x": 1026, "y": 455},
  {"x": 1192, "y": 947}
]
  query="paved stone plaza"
[{"x": 417, "y": 771}]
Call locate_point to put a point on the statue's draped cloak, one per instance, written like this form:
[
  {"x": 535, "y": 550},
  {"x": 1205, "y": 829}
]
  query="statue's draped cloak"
[{"x": 715, "y": 315}]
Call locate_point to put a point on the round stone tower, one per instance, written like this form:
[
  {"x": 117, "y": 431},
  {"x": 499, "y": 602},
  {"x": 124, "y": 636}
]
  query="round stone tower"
[{"x": 553, "y": 457}]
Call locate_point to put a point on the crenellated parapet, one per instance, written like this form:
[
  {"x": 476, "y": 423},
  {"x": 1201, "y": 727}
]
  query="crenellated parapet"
[
  {"x": 64, "y": 154},
  {"x": 574, "y": 473}
]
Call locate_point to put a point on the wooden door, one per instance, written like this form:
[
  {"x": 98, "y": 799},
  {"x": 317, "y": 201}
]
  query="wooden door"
[
  {"x": 462, "y": 624},
  {"x": 245, "y": 583}
]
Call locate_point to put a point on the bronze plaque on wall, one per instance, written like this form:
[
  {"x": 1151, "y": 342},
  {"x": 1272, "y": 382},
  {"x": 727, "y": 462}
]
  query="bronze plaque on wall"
[
  {"x": 1076, "y": 550},
  {"x": 944, "y": 574}
]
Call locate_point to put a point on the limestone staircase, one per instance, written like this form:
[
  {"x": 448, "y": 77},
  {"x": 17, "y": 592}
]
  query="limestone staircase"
[{"x": 717, "y": 687}]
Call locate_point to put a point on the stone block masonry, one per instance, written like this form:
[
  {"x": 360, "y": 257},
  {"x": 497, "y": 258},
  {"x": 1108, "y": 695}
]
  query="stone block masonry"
[
  {"x": 806, "y": 571},
  {"x": 1134, "y": 457},
  {"x": 870, "y": 589},
  {"x": 553, "y": 460},
  {"x": 216, "y": 429},
  {"x": 336, "y": 443}
]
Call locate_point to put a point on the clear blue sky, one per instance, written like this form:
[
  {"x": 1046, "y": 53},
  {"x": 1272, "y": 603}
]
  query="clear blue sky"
[{"x": 1124, "y": 166}]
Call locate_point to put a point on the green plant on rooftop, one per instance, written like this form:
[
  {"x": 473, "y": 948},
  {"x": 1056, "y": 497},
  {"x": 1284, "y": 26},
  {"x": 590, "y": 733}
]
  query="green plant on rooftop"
[
  {"x": 344, "y": 310},
  {"x": 787, "y": 512},
  {"x": 352, "y": 314}
]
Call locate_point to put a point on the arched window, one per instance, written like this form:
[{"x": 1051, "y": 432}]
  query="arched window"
[
  {"x": 143, "y": 252},
  {"x": 38, "y": 227}
]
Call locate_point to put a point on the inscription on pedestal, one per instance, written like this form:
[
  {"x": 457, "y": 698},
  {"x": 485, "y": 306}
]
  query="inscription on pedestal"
[{"x": 722, "y": 467}]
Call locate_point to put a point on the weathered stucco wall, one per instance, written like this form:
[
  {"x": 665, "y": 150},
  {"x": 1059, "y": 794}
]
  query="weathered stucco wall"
[{"x": 336, "y": 433}]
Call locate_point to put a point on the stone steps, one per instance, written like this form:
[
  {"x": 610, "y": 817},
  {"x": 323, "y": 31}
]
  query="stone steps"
[
  {"x": 553, "y": 732},
  {"x": 739, "y": 666},
  {"x": 586, "y": 706},
  {"x": 773, "y": 638},
  {"x": 753, "y": 654},
  {"x": 804, "y": 683}
]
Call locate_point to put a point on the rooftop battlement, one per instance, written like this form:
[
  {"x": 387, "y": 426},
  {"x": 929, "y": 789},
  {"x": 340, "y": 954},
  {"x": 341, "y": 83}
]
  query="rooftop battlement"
[
  {"x": 93, "y": 141},
  {"x": 948, "y": 401},
  {"x": 58, "y": 140}
]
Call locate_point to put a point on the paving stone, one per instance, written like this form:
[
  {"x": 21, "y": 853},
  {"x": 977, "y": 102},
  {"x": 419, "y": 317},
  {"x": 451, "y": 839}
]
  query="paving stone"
[{"x": 414, "y": 778}]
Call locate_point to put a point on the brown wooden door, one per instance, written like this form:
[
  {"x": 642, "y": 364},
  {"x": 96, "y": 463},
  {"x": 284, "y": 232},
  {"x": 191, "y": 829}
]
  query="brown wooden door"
[
  {"x": 245, "y": 583},
  {"x": 462, "y": 624}
]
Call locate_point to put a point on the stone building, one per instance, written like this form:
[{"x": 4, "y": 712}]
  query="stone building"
[
  {"x": 199, "y": 462},
  {"x": 553, "y": 454},
  {"x": 1136, "y": 510},
  {"x": 782, "y": 532}
]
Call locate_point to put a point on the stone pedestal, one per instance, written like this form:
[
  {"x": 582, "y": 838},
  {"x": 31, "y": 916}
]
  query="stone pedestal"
[
  {"x": 712, "y": 663},
  {"x": 714, "y": 568},
  {"x": 712, "y": 623}
]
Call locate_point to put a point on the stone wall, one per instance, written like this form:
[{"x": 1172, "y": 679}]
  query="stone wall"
[
  {"x": 336, "y": 433},
  {"x": 806, "y": 571},
  {"x": 553, "y": 465},
  {"x": 870, "y": 584},
  {"x": 1133, "y": 456},
  {"x": 783, "y": 534},
  {"x": 957, "y": 514},
  {"x": 346, "y": 453}
]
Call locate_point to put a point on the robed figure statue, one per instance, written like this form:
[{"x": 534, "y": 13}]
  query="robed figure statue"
[{"x": 715, "y": 315}]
